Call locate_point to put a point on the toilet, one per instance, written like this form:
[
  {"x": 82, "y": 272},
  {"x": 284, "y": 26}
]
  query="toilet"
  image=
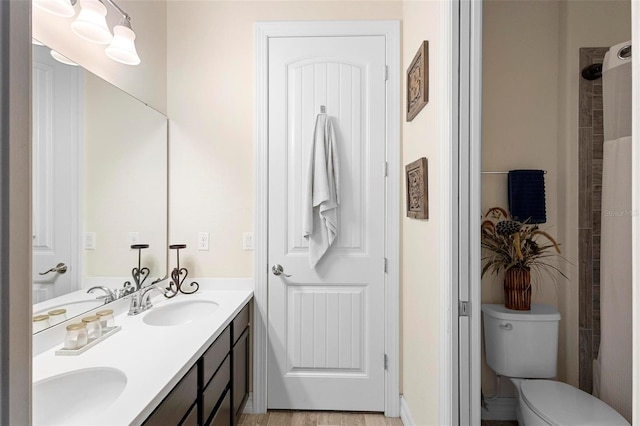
[{"x": 523, "y": 346}]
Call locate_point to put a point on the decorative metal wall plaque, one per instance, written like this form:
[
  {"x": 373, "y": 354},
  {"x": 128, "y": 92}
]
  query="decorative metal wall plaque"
[
  {"x": 417, "y": 189},
  {"x": 418, "y": 81}
]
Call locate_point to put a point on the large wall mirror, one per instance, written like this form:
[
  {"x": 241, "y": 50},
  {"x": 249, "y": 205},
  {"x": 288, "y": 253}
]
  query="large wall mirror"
[{"x": 99, "y": 187}]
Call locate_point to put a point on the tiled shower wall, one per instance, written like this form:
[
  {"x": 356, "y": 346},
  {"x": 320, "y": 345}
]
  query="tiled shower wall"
[{"x": 591, "y": 139}]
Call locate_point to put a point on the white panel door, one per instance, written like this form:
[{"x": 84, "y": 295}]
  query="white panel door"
[
  {"x": 326, "y": 325},
  {"x": 56, "y": 135}
]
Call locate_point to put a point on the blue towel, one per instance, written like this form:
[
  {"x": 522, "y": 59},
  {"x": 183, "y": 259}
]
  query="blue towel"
[{"x": 526, "y": 196}]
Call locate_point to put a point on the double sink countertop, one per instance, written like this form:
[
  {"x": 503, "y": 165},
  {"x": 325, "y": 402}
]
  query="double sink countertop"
[{"x": 153, "y": 358}]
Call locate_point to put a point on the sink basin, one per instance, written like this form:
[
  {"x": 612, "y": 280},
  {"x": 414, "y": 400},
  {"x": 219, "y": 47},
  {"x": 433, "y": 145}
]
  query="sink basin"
[
  {"x": 77, "y": 396},
  {"x": 180, "y": 313}
]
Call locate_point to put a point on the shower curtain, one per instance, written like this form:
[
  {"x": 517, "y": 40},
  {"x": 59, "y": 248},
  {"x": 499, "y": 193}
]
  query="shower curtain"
[{"x": 613, "y": 368}]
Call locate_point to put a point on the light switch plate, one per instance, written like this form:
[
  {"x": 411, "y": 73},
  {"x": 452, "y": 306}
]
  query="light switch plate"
[
  {"x": 247, "y": 241},
  {"x": 89, "y": 240},
  {"x": 203, "y": 241}
]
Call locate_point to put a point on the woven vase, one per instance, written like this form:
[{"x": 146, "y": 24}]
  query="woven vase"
[{"x": 517, "y": 289}]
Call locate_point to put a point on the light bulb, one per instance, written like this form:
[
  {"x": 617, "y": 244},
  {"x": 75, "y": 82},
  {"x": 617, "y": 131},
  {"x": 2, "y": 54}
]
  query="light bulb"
[
  {"x": 91, "y": 24},
  {"x": 61, "y": 58},
  {"x": 57, "y": 7},
  {"x": 123, "y": 49}
]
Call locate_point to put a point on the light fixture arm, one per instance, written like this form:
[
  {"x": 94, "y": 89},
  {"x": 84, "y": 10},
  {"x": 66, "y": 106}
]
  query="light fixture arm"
[{"x": 125, "y": 16}]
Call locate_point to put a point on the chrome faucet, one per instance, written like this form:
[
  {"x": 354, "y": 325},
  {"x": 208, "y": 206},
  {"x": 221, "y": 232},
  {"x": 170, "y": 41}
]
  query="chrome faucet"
[
  {"x": 140, "y": 300},
  {"x": 109, "y": 296}
]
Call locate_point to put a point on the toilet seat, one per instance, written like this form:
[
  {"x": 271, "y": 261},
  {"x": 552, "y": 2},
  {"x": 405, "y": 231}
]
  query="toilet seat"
[{"x": 560, "y": 404}]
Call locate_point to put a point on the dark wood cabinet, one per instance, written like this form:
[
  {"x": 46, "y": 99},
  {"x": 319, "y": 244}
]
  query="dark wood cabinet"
[
  {"x": 178, "y": 403},
  {"x": 216, "y": 388},
  {"x": 240, "y": 363},
  {"x": 240, "y": 385},
  {"x": 214, "y": 391},
  {"x": 222, "y": 415}
]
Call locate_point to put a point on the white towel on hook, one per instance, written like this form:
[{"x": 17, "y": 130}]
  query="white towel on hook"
[{"x": 320, "y": 215}]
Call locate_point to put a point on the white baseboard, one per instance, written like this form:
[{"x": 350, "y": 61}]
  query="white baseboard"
[
  {"x": 248, "y": 407},
  {"x": 500, "y": 409},
  {"x": 405, "y": 413}
]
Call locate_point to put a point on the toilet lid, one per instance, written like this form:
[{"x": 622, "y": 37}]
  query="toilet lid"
[{"x": 560, "y": 404}]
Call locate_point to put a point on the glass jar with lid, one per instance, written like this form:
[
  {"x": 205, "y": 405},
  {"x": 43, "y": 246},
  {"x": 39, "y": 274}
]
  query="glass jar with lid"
[
  {"x": 76, "y": 336},
  {"x": 94, "y": 329},
  {"x": 106, "y": 318},
  {"x": 57, "y": 316},
  {"x": 40, "y": 322}
]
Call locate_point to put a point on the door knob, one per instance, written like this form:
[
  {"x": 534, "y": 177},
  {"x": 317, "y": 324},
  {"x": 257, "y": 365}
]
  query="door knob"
[
  {"x": 60, "y": 268},
  {"x": 278, "y": 270}
]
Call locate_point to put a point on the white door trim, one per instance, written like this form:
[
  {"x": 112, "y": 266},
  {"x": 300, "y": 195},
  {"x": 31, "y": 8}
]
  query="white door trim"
[
  {"x": 391, "y": 31},
  {"x": 465, "y": 177},
  {"x": 635, "y": 184},
  {"x": 449, "y": 140}
]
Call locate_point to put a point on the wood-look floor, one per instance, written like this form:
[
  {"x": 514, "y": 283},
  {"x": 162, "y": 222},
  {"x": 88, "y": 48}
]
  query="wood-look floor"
[{"x": 317, "y": 418}]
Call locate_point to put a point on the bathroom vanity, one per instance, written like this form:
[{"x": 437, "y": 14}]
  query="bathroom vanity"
[
  {"x": 185, "y": 361},
  {"x": 216, "y": 388}
]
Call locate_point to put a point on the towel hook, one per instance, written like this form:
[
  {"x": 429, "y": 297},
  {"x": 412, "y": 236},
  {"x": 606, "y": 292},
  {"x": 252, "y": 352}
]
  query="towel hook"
[{"x": 323, "y": 109}]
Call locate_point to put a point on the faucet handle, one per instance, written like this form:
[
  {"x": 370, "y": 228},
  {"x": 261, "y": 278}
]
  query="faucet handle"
[
  {"x": 109, "y": 295},
  {"x": 145, "y": 301}
]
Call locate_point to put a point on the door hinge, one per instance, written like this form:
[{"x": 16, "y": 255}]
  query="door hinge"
[
  {"x": 464, "y": 308},
  {"x": 386, "y": 263},
  {"x": 386, "y": 169},
  {"x": 386, "y": 362},
  {"x": 386, "y": 72}
]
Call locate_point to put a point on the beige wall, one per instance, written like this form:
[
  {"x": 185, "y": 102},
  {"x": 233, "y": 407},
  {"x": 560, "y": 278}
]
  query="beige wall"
[
  {"x": 211, "y": 104},
  {"x": 147, "y": 81},
  {"x": 530, "y": 99},
  {"x": 420, "y": 308}
]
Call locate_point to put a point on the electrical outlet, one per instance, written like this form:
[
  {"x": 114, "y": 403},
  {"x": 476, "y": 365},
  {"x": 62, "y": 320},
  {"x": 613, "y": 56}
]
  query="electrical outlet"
[
  {"x": 134, "y": 238},
  {"x": 203, "y": 241},
  {"x": 247, "y": 241},
  {"x": 89, "y": 240}
]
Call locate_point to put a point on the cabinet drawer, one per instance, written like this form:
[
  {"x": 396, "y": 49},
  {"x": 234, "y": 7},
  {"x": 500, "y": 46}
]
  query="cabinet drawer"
[
  {"x": 192, "y": 417},
  {"x": 240, "y": 386},
  {"x": 214, "y": 356},
  {"x": 176, "y": 405},
  {"x": 214, "y": 390},
  {"x": 240, "y": 322},
  {"x": 223, "y": 415}
]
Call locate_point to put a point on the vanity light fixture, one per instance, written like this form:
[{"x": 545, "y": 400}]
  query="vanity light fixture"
[
  {"x": 62, "y": 8},
  {"x": 61, "y": 58},
  {"x": 123, "y": 49},
  {"x": 91, "y": 25}
]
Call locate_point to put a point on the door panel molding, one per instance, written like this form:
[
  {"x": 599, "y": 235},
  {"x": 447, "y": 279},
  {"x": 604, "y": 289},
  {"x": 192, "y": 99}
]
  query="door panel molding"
[{"x": 391, "y": 31}]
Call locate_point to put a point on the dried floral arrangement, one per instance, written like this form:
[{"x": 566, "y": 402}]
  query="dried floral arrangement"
[{"x": 511, "y": 244}]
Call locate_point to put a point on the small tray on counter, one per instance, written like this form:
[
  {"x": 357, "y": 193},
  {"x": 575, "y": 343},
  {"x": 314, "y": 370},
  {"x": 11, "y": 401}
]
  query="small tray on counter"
[{"x": 107, "y": 332}]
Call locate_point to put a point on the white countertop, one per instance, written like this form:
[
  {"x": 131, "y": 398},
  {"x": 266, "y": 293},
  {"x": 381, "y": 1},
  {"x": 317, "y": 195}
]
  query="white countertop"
[{"x": 154, "y": 358}]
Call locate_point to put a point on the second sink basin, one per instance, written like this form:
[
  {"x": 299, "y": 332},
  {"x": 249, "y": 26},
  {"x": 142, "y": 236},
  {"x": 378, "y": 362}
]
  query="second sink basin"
[
  {"x": 72, "y": 398},
  {"x": 180, "y": 313}
]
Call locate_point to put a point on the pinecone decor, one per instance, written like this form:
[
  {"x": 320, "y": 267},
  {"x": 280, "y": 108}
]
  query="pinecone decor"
[{"x": 507, "y": 227}]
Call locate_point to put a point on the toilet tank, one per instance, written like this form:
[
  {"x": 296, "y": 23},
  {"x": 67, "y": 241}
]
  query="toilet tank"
[{"x": 521, "y": 343}]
